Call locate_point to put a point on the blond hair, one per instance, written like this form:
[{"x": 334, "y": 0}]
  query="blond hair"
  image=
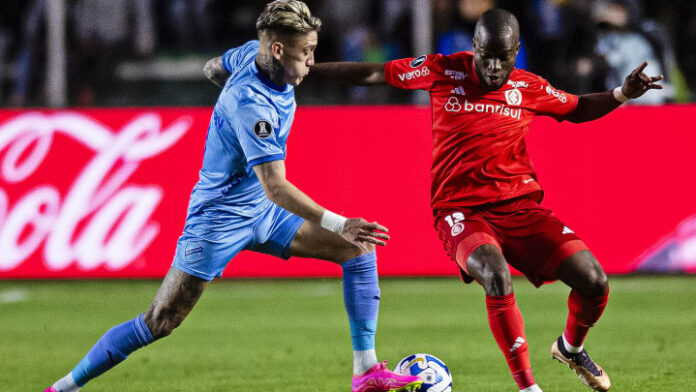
[{"x": 287, "y": 16}]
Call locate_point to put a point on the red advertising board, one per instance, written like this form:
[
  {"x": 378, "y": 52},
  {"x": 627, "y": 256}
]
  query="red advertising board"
[{"x": 103, "y": 193}]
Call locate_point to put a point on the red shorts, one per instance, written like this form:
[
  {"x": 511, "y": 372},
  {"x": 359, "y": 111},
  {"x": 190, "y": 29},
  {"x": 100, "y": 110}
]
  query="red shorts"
[{"x": 531, "y": 237}]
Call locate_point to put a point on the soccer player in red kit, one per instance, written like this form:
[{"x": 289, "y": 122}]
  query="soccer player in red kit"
[{"x": 485, "y": 194}]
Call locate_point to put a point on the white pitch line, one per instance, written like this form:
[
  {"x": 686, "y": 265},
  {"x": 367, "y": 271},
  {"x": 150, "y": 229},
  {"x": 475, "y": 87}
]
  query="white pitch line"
[{"x": 13, "y": 296}]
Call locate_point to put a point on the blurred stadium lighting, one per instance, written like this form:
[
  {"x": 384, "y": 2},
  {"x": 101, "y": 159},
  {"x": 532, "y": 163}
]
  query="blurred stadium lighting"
[
  {"x": 422, "y": 38},
  {"x": 56, "y": 78}
]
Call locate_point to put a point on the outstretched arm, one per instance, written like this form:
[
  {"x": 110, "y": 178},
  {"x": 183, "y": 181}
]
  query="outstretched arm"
[
  {"x": 593, "y": 106},
  {"x": 216, "y": 72},
  {"x": 283, "y": 193},
  {"x": 361, "y": 74}
]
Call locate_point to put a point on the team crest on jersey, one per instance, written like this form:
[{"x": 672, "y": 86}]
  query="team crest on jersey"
[
  {"x": 193, "y": 251},
  {"x": 513, "y": 97},
  {"x": 415, "y": 63},
  {"x": 457, "y": 228},
  {"x": 455, "y": 221},
  {"x": 263, "y": 129}
]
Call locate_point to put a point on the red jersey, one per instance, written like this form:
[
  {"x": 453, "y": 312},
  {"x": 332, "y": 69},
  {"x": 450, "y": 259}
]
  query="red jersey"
[{"x": 479, "y": 152}]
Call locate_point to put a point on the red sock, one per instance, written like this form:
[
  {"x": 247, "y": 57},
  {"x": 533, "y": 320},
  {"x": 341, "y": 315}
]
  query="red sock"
[
  {"x": 507, "y": 326},
  {"x": 584, "y": 313}
]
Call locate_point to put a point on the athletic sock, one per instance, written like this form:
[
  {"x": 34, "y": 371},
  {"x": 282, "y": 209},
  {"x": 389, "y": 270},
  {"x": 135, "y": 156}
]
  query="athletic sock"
[
  {"x": 66, "y": 384},
  {"x": 361, "y": 298},
  {"x": 111, "y": 349},
  {"x": 363, "y": 360},
  {"x": 507, "y": 325},
  {"x": 583, "y": 313}
]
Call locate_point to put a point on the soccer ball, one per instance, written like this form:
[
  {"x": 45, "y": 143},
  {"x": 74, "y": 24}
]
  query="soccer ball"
[{"x": 436, "y": 377}]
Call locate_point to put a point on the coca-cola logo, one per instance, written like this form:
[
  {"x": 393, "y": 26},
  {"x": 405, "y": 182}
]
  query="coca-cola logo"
[{"x": 115, "y": 216}]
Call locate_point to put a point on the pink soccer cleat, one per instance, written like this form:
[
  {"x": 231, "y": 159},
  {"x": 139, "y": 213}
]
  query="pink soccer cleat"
[
  {"x": 381, "y": 379},
  {"x": 50, "y": 389}
]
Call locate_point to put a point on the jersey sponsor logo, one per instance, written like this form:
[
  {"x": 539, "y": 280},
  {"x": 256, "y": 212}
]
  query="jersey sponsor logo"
[
  {"x": 552, "y": 91},
  {"x": 453, "y": 105},
  {"x": 263, "y": 129},
  {"x": 418, "y": 61},
  {"x": 513, "y": 97},
  {"x": 414, "y": 74},
  {"x": 503, "y": 110},
  {"x": 517, "y": 84},
  {"x": 456, "y": 75},
  {"x": 518, "y": 343},
  {"x": 455, "y": 221},
  {"x": 459, "y": 90},
  {"x": 567, "y": 230},
  {"x": 193, "y": 251}
]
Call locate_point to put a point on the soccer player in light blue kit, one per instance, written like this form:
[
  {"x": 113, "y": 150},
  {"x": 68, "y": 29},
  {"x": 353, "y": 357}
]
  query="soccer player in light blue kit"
[{"x": 242, "y": 201}]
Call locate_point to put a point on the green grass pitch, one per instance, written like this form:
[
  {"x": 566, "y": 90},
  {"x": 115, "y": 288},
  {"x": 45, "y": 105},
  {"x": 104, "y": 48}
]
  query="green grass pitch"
[{"x": 292, "y": 335}]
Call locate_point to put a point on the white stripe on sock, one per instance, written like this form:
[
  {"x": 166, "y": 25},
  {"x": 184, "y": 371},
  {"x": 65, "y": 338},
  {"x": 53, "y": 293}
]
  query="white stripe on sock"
[
  {"x": 66, "y": 384},
  {"x": 363, "y": 360}
]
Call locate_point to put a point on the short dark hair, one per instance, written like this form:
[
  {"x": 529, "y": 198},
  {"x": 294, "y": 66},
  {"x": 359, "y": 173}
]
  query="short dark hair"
[{"x": 498, "y": 23}]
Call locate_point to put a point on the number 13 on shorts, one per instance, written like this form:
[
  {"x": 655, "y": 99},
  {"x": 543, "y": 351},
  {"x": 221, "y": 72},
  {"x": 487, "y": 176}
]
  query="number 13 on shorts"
[{"x": 455, "y": 220}]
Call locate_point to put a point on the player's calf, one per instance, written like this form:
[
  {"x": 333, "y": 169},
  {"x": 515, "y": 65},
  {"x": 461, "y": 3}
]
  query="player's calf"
[
  {"x": 175, "y": 299},
  {"x": 110, "y": 350}
]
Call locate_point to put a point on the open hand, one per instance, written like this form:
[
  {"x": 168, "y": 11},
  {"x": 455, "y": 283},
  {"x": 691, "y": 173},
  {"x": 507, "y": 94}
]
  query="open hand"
[
  {"x": 358, "y": 232},
  {"x": 638, "y": 83}
]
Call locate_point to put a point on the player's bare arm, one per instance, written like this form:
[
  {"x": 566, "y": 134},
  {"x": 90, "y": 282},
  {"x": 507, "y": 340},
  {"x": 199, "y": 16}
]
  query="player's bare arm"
[
  {"x": 361, "y": 74},
  {"x": 215, "y": 71},
  {"x": 280, "y": 191},
  {"x": 593, "y": 106}
]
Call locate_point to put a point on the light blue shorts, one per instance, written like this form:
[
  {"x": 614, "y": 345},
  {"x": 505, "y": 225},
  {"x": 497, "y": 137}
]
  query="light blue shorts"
[{"x": 271, "y": 232}]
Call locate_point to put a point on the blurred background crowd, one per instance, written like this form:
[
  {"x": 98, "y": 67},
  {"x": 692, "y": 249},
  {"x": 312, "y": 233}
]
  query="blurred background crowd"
[{"x": 151, "y": 52}]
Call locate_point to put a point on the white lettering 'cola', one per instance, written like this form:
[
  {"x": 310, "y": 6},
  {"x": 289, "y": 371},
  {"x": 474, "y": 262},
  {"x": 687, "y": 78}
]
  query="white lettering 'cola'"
[
  {"x": 489, "y": 108},
  {"x": 114, "y": 217}
]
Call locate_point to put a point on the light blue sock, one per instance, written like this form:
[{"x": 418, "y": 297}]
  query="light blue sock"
[
  {"x": 112, "y": 348},
  {"x": 361, "y": 297}
]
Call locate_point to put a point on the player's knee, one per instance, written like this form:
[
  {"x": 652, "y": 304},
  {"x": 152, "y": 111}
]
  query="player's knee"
[
  {"x": 488, "y": 266},
  {"x": 597, "y": 283},
  {"x": 497, "y": 281},
  {"x": 347, "y": 253},
  {"x": 162, "y": 320}
]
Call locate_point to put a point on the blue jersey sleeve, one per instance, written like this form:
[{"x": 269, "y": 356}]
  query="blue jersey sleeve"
[
  {"x": 237, "y": 56},
  {"x": 257, "y": 129}
]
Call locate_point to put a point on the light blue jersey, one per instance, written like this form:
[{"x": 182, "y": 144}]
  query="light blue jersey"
[
  {"x": 250, "y": 125},
  {"x": 229, "y": 211}
]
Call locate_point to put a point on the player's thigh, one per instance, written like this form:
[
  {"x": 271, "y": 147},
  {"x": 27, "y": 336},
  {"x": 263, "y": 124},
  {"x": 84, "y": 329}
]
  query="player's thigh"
[
  {"x": 487, "y": 265},
  {"x": 582, "y": 272},
  {"x": 174, "y": 300},
  {"x": 205, "y": 254},
  {"x": 313, "y": 241}
]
